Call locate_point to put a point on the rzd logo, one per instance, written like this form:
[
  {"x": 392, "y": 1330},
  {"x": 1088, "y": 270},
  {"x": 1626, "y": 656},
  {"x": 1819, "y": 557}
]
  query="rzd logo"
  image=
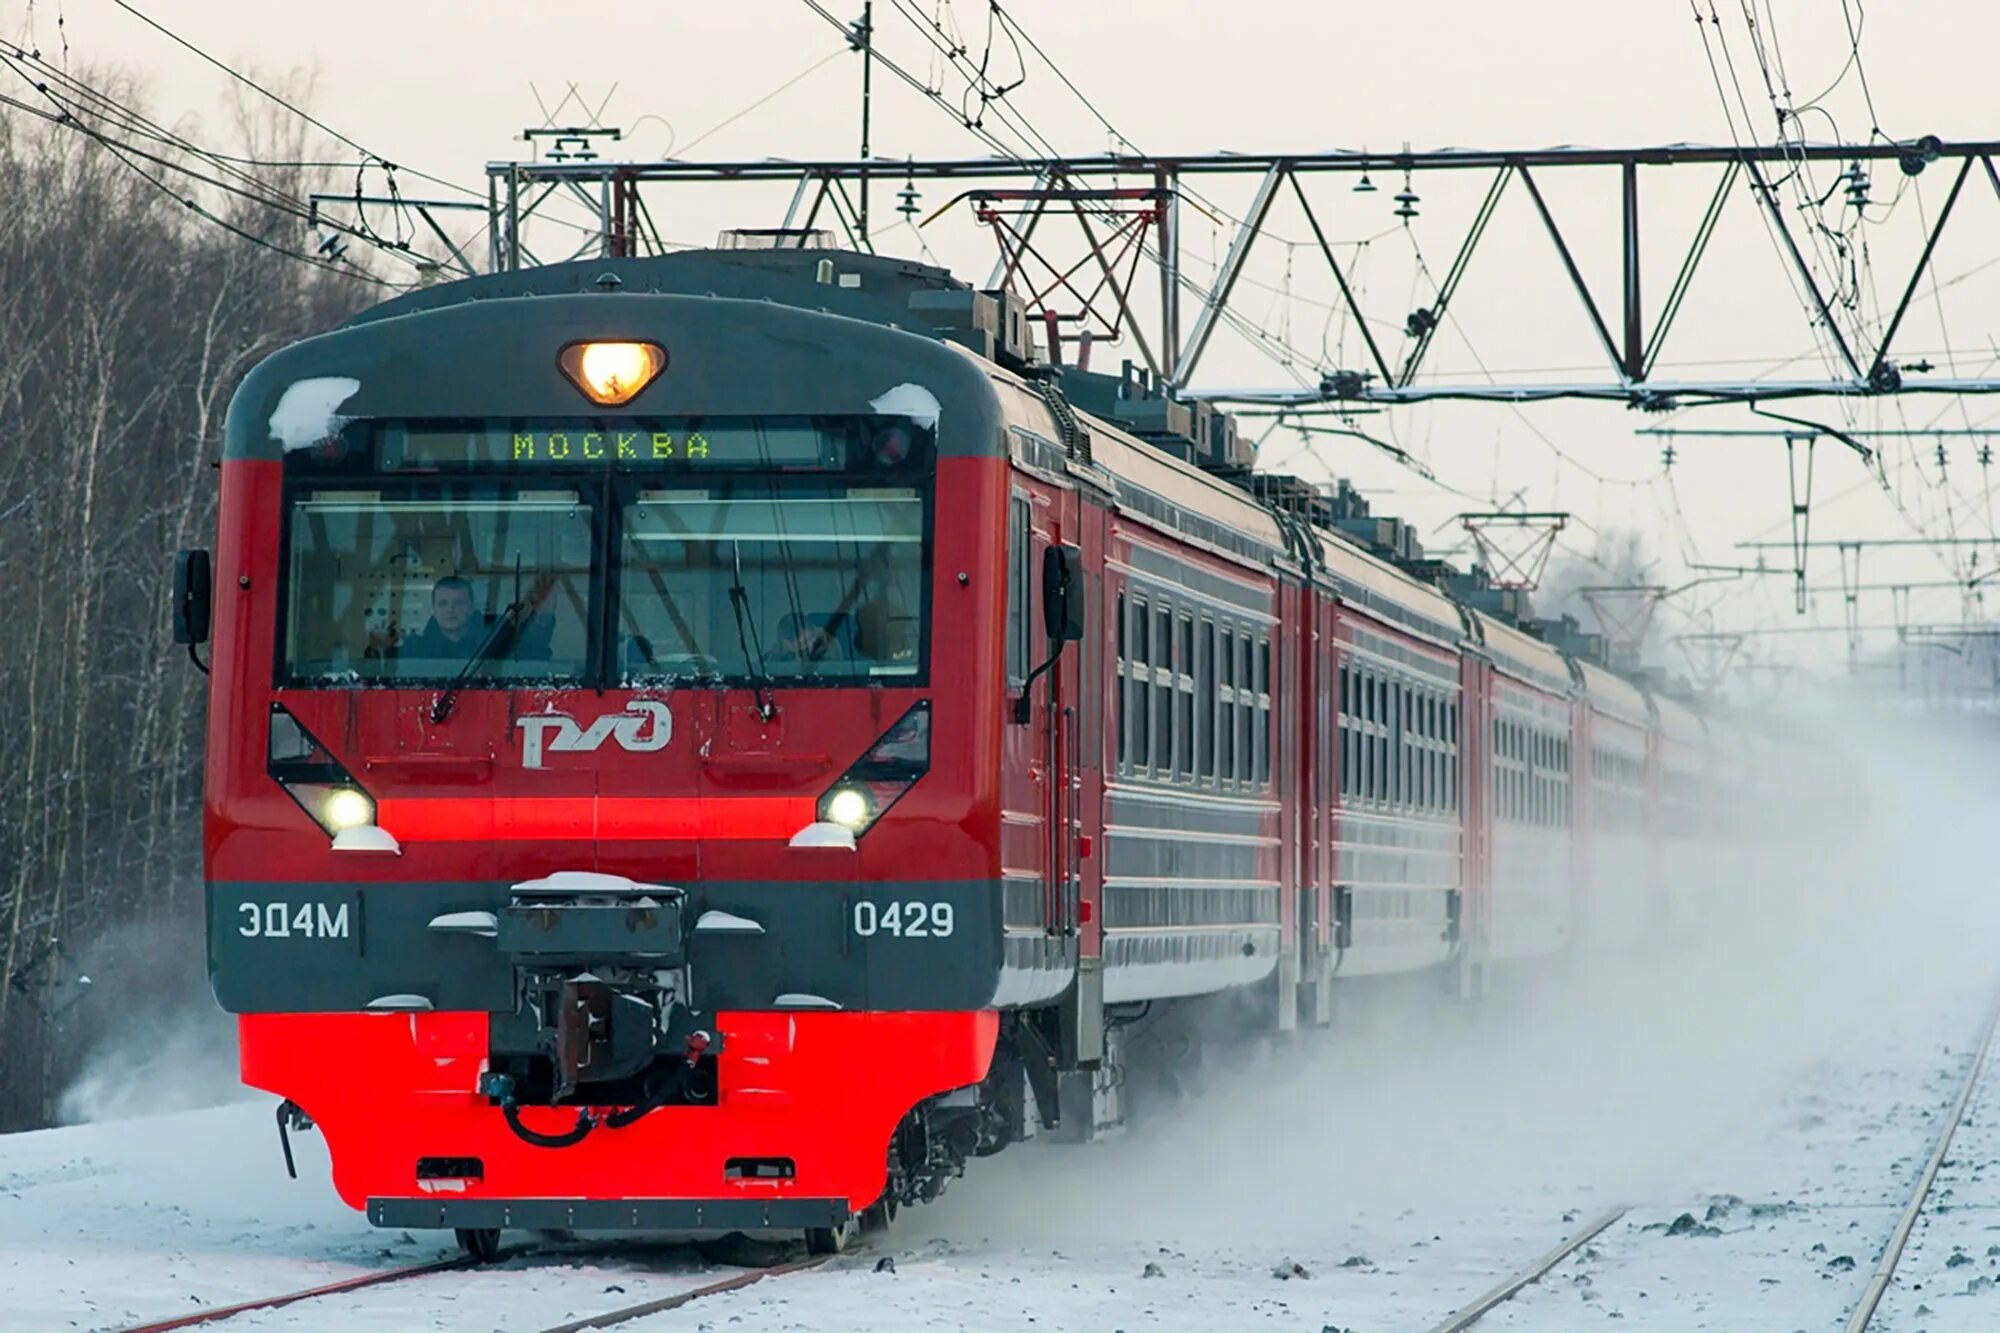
[{"x": 552, "y": 731}]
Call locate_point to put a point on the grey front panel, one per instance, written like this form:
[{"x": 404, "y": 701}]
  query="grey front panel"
[{"x": 335, "y": 948}]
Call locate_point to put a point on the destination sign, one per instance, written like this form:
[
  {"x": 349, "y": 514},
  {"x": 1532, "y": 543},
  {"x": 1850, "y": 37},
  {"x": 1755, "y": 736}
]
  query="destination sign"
[{"x": 689, "y": 443}]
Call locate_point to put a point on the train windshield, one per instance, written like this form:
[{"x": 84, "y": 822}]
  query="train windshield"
[
  {"x": 771, "y": 578},
  {"x": 487, "y": 579},
  {"x": 503, "y": 554}
]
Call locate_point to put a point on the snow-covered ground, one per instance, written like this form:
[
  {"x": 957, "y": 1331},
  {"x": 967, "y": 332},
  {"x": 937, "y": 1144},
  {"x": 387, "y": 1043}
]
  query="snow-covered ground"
[
  {"x": 1778, "y": 1085},
  {"x": 1405, "y": 1164}
]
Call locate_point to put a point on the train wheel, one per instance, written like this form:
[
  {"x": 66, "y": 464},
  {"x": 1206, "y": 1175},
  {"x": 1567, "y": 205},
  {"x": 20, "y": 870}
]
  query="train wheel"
[
  {"x": 482, "y": 1243},
  {"x": 878, "y": 1215},
  {"x": 830, "y": 1240}
]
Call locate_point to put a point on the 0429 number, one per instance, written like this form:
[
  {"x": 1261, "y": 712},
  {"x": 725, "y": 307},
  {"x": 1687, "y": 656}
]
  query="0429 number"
[{"x": 905, "y": 920}]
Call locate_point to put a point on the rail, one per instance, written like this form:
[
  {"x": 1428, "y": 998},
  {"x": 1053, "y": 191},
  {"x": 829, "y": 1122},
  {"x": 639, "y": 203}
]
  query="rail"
[
  {"x": 1892, "y": 1254},
  {"x": 1527, "y": 1277}
]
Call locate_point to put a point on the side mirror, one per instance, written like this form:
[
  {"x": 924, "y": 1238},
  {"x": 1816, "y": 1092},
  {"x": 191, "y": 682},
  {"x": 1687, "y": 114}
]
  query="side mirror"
[
  {"x": 1062, "y": 593},
  {"x": 193, "y": 596}
]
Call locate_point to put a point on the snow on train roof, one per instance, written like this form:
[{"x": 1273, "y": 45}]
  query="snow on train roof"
[
  {"x": 1613, "y": 694},
  {"x": 1523, "y": 655}
]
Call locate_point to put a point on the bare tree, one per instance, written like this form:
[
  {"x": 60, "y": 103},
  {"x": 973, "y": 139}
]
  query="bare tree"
[{"x": 126, "y": 321}]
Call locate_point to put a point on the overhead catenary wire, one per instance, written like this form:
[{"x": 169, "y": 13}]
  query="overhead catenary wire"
[{"x": 130, "y": 156}]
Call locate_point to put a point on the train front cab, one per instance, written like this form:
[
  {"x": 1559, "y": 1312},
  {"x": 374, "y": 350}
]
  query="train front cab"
[{"x": 667, "y": 902}]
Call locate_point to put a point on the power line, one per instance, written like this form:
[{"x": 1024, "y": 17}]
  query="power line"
[
  {"x": 234, "y": 181},
  {"x": 119, "y": 152},
  {"x": 259, "y": 88},
  {"x": 784, "y": 87}
]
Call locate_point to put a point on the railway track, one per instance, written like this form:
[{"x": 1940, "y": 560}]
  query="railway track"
[
  {"x": 604, "y": 1319},
  {"x": 217, "y": 1313},
  {"x": 640, "y": 1309},
  {"x": 1899, "y": 1239},
  {"x": 1862, "y": 1316},
  {"x": 1468, "y": 1315}
]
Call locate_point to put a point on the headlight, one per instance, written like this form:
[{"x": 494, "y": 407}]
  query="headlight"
[
  {"x": 879, "y": 778},
  {"x": 312, "y": 777},
  {"x": 612, "y": 373},
  {"x": 847, "y": 806},
  {"x": 348, "y": 808}
]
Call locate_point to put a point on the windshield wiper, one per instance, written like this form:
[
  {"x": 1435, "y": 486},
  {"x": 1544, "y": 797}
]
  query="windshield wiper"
[
  {"x": 480, "y": 654},
  {"x": 746, "y": 636}
]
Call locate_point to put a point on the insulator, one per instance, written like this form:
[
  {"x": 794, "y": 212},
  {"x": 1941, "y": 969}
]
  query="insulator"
[
  {"x": 1364, "y": 185},
  {"x": 908, "y": 194},
  {"x": 1406, "y": 203},
  {"x": 1857, "y": 186}
]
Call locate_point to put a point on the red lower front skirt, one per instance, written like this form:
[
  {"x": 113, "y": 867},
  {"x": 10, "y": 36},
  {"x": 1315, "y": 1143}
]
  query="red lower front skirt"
[{"x": 822, "y": 1090}]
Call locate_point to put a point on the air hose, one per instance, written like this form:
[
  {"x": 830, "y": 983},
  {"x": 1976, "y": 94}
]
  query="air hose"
[{"x": 585, "y": 1122}]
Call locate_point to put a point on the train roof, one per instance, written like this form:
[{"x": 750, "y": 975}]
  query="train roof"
[
  {"x": 1522, "y": 655},
  {"x": 1612, "y": 694},
  {"x": 1362, "y": 579},
  {"x": 1679, "y": 722},
  {"x": 841, "y": 282}
]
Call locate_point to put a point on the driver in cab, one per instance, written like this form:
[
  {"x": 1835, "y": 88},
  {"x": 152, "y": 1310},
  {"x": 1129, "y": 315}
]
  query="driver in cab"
[{"x": 456, "y": 630}]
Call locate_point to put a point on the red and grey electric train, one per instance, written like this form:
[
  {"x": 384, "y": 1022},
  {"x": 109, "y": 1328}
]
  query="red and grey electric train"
[{"x": 717, "y": 741}]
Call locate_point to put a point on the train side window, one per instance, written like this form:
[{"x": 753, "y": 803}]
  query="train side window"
[
  {"x": 1364, "y": 729},
  {"x": 1378, "y": 740},
  {"x": 1427, "y": 729},
  {"x": 1184, "y": 696},
  {"x": 1141, "y": 686},
  {"x": 1548, "y": 758},
  {"x": 1413, "y": 700},
  {"x": 1387, "y": 741},
  {"x": 1020, "y": 541},
  {"x": 1517, "y": 777},
  {"x": 1263, "y": 711},
  {"x": 1406, "y": 744},
  {"x": 1345, "y": 729},
  {"x": 1122, "y": 684},
  {"x": 1163, "y": 692},
  {"x": 1533, "y": 765},
  {"x": 1451, "y": 756},
  {"x": 1409, "y": 739},
  {"x": 1392, "y": 743},
  {"x": 1225, "y": 714},
  {"x": 1441, "y": 755},
  {"x": 1245, "y": 695},
  {"x": 1204, "y": 703}
]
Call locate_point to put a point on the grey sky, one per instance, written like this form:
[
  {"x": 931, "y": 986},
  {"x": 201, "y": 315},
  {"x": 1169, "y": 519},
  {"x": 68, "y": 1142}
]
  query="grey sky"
[{"x": 443, "y": 84}]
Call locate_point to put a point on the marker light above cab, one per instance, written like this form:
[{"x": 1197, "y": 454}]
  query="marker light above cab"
[{"x": 611, "y": 374}]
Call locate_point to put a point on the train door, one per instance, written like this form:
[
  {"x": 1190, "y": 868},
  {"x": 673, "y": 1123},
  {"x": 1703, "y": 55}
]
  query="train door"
[
  {"x": 1475, "y": 790},
  {"x": 1052, "y": 784},
  {"x": 1057, "y": 740},
  {"x": 1072, "y": 731},
  {"x": 1317, "y": 677},
  {"x": 1582, "y": 843}
]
